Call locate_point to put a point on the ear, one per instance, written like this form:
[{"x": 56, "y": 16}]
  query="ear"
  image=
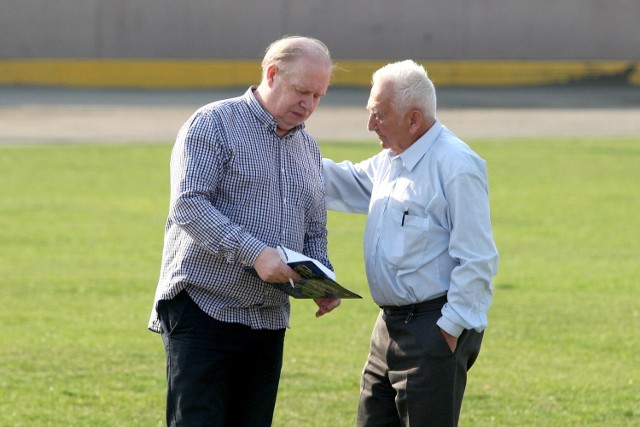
[
  {"x": 415, "y": 120},
  {"x": 270, "y": 73}
]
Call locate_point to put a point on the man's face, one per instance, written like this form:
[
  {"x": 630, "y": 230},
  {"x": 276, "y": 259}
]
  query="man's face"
[
  {"x": 296, "y": 92},
  {"x": 391, "y": 127}
]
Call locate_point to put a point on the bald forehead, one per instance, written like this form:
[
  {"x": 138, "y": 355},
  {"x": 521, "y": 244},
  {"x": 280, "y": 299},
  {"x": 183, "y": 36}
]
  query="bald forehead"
[{"x": 292, "y": 49}]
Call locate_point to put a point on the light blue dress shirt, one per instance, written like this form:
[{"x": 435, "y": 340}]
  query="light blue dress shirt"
[{"x": 428, "y": 230}]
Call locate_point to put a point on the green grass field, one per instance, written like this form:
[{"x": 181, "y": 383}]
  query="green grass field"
[{"x": 81, "y": 230}]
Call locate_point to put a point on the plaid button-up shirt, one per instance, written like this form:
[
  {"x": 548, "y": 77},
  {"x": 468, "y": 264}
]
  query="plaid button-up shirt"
[{"x": 237, "y": 187}]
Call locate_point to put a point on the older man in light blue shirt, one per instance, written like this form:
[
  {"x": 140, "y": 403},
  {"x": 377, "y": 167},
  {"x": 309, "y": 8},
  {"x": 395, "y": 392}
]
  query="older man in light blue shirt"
[{"x": 429, "y": 252}]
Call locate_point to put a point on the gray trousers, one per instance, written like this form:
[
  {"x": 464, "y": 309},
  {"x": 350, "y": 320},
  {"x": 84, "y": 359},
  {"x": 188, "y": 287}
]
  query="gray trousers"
[{"x": 411, "y": 378}]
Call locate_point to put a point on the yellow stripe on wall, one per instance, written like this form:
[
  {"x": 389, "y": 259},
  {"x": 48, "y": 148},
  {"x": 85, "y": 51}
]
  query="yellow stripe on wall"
[
  {"x": 129, "y": 73},
  {"x": 225, "y": 73},
  {"x": 502, "y": 73}
]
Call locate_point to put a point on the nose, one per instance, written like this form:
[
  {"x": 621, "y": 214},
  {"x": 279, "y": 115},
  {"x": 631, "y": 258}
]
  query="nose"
[
  {"x": 309, "y": 102},
  {"x": 371, "y": 125}
]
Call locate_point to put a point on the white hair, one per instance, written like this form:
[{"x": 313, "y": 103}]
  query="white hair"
[{"x": 411, "y": 85}]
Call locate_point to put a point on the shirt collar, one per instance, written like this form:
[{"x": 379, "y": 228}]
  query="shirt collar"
[
  {"x": 263, "y": 116},
  {"x": 412, "y": 155}
]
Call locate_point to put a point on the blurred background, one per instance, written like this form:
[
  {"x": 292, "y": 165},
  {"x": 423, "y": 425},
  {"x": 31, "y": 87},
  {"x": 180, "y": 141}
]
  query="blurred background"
[
  {"x": 93, "y": 92},
  {"x": 218, "y": 43}
]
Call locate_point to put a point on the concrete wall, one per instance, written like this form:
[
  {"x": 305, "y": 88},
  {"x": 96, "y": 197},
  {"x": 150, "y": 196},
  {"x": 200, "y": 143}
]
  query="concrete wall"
[{"x": 353, "y": 29}]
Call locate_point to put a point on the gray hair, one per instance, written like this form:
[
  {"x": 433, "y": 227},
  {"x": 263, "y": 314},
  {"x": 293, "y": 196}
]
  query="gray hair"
[
  {"x": 287, "y": 49},
  {"x": 412, "y": 87}
]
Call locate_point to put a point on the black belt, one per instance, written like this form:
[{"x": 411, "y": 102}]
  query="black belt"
[{"x": 411, "y": 309}]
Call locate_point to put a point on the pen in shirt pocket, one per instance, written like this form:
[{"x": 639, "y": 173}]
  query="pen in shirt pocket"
[{"x": 406, "y": 212}]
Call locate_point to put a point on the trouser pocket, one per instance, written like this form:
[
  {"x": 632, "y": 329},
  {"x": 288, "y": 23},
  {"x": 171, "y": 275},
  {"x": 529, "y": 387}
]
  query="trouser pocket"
[{"x": 170, "y": 311}]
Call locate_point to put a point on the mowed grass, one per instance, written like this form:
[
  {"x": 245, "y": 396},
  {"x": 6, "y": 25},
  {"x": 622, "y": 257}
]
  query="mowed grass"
[{"x": 81, "y": 231}]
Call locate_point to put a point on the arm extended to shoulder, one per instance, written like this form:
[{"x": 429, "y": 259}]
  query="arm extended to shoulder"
[{"x": 348, "y": 186}]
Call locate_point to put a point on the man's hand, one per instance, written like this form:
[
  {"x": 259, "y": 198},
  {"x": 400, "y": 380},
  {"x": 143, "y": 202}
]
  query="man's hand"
[
  {"x": 325, "y": 305},
  {"x": 272, "y": 269},
  {"x": 451, "y": 340}
]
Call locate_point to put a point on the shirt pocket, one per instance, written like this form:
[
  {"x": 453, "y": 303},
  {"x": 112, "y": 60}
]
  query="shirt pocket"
[{"x": 405, "y": 239}]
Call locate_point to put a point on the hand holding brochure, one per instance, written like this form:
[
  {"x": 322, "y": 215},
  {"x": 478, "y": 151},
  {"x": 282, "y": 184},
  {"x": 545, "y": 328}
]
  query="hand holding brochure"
[{"x": 317, "y": 280}]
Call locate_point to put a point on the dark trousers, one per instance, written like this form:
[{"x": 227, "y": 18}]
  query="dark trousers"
[
  {"x": 411, "y": 377},
  {"x": 218, "y": 374}
]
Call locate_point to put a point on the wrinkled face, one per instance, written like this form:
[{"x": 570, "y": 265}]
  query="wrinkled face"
[
  {"x": 392, "y": 128},
  {"x": 296, "y": 92}
]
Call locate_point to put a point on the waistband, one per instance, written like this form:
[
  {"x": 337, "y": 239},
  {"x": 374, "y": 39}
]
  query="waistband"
[{"x": 429, "y": 305}]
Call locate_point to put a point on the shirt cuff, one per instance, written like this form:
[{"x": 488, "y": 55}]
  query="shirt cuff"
[
  {"x": 450, "y": 327},
  {"x": 250, "y": 248}
]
